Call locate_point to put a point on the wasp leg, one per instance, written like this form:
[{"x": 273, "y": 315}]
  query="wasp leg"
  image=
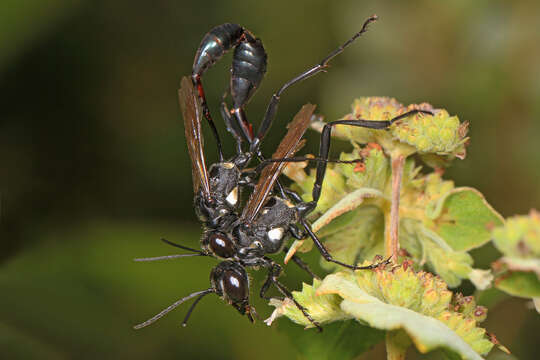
[
  {"x": 273, "y": 275},
  {"x": 326, "y": 255},
  {"x": 325, "y": 142},
  {"x": 235, "y": 132},
  {"x": 320, "y": 67},
  {"x": 302, "y": 265}
]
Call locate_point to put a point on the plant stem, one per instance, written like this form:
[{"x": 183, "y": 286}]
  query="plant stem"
[
  {"x": 392, "y": 237},
  {"x": 397, "y": 343}
]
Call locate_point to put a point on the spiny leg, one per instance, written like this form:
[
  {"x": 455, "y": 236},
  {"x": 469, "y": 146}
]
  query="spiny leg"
[
  {"x": 273, "y": 275},
  {"x": 266, "y": 162},
  {"x": 324, "y": 150},
  {"x": 235, "y": 132},
  {"x": 289, "y": 295},
  {"x": 294, "y": 195},
  {"x": 273, "y": 271},
  {"x": 196, "y": 78},
  {"x": 322, "y": 66},
  {"x": 328, "y": 257},
  {"x": 300, "y": 235},
  {"x": 302, "y": 265},
  {"x": 322, "y": 249},
  {"x": 273, "y": 105},
  {"x": 325, "y": 143},
  {"x": 232, "y": 127},
  {"x": 305, "y": 208}
]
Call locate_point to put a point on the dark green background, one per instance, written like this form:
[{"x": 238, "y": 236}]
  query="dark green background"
[{"x": 94, "y": 169}]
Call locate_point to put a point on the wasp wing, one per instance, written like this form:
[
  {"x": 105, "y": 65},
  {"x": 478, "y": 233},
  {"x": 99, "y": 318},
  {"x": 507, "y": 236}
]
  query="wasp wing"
[
  {"x": 191, "y": 111},
  {"x": 288, "y": 146}
]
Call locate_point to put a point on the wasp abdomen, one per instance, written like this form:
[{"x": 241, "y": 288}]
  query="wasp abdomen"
[
  {"x": 215, "y": 44},
  {"x": 248, "y": 69}
]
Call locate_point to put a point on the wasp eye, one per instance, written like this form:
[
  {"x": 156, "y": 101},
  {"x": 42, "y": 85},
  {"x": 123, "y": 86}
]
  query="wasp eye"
[
  {"x": 234, "y": 286},
  {"x": 221, "y": 245}
]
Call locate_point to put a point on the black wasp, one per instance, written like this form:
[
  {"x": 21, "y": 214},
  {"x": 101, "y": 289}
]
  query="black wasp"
[{"x": 243, "y": 237}]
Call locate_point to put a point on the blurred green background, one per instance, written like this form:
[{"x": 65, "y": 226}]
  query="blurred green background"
[{"x": 94, "y": 168}]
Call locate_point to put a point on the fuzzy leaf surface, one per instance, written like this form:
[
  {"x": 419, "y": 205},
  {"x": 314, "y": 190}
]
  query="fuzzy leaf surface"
[
  {"x": 397, "y": 299},
  {"x": 438, "y": 222},
  {"x": 518, "y": 271}
]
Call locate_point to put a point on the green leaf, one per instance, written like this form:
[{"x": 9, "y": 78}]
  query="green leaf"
[
  {"x": 397, "y": 311},
  {"x": 440, "y": 134},
  {"x": 343, "y": 340},
  {"x": 353, "y": 236},
  {"x": 522, "y": 264},
  {"x": 451, "y": 265},
  {"x": 465, "y": 219},
  {"x": 438, "y": 222},
  {"x": 426, "y": 333},
  {"x": 373, "y": 173},
  {"x": 520, "y": 237},
  {"x": 323, "y": 309},
  {"x": 426, "y": 246},
  {"x": 394, "y": 299},
  {"x": 522, "y": 284},
  {"x": 518, "y": 272},
  {"x": 346, "y": 204}
]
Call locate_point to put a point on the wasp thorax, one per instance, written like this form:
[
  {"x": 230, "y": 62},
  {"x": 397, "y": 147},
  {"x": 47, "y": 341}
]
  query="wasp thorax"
[{"x": 224, "y": 178}]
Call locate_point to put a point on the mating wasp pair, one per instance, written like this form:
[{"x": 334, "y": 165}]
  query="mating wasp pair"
[{"x": 242, "y": 235}]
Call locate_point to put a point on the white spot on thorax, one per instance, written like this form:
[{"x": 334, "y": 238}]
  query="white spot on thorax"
[
  {"x": 232, "y": 198},
  {"x": 275, "y": 234}
]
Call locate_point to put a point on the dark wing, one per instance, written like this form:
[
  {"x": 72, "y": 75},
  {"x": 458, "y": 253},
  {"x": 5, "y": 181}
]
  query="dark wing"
[
  {"x": 288, "y": 146},
  {"x": 191, "y": 111}
]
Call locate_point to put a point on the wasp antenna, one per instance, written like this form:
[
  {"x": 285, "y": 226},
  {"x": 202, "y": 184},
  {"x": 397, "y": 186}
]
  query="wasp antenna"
[
  {"x": 168, "y": 257},
  {"x": 170, "y": 308},
  {"x": 181, "y": 246},
  {"x": 184, "y": 323}
]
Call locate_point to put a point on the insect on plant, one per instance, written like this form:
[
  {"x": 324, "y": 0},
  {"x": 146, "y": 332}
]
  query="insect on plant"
[{"x": 242, "y": 235}]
